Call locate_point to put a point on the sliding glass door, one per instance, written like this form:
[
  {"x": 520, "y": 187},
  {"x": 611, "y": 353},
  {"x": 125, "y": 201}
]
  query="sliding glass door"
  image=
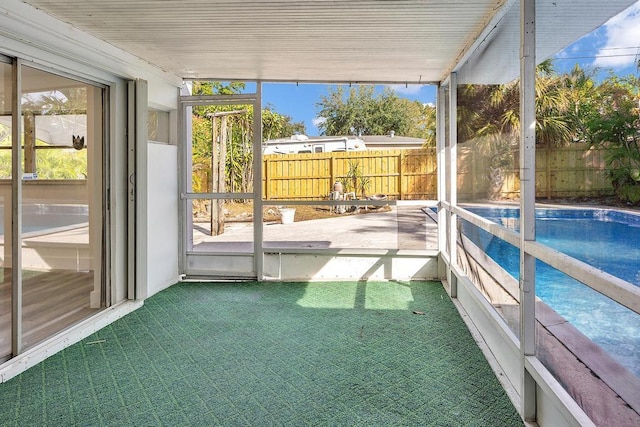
[{"x": 52, "y": 265}]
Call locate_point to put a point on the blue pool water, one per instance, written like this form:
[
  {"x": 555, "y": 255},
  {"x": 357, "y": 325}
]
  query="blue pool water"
[
  {"x": 40, "y": 217},
  {"x": 606, "y": 239}
]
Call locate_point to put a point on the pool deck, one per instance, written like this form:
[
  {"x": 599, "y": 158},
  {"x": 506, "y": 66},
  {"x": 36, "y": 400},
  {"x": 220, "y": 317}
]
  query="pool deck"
[{"x": 404, "y": 227}]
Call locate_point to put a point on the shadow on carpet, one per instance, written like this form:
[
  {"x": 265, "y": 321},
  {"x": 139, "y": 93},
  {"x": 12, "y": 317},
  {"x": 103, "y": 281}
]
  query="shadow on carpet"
[{"x": 259, "y": 354}]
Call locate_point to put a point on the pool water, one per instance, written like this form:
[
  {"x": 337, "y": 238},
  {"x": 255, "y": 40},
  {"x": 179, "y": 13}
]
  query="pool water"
[
  {"x": 606, "y": 239},
  {"x": 40, "y": 217}
]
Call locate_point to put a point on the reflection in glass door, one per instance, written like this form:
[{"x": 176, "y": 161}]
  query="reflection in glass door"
[
  {"x": 62, "y": 203},
  {"x": 219, "y": 211},
  {"x": 6, "y": 89}
]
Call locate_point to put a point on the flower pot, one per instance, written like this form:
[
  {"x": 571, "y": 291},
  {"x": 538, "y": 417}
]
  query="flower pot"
[{"x": 287, "y": 215}]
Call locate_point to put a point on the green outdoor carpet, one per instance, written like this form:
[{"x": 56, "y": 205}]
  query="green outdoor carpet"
[{"x": 270, "y": 354}]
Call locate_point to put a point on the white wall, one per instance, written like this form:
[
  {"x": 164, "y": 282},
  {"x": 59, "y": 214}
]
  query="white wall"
[
  {"x": 43, "y": 41},
  {"x": 162, "y": 219}
]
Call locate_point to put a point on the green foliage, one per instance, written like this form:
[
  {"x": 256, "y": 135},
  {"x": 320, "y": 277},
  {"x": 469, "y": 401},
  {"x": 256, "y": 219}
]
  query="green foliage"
[
  {"x": 616, "y": 120},
  {"x": 217, "y": 88},
  {"x": 629, "y": 193},
  {"x": 580, "y": 88},
  {"x": 355, "y": 181},
  {"x": 359, "y": 111},
  {"x": 569, "y": 108},
  {"x": 51, "y": 164},
  {"x": 61, "y": 164},
  {"x": 5, "y": 153},
  {"x": 490, "y": 115},
  {"x": 5, "y": 164},
  {"x": 615, "y": 124},
  {"x": 239, "y": 149},
  {"x": 276, "y": 125},
  {"x": 501, "y": 114},
  {"x": 55, "y": 163},
  {"x": 426, "y": 126},
  {"x": 239, "y": 153}
]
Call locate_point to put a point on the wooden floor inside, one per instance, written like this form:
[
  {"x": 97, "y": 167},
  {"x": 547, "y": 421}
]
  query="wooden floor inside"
[{"x": 52, "y": 301}]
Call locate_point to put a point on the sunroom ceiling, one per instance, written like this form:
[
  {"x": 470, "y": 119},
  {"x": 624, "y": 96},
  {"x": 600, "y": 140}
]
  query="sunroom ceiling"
[{"x": 412, "y": 41}]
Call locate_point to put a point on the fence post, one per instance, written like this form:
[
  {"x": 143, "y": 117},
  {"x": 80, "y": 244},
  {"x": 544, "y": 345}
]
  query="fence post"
[
  {"x": 400, "y": 174},
  {"x": 267, "y": 183},
  {"x": 474, "y": 175},
  {"x": 332, "y": 171},
  {"x": 547, "y": 169}
]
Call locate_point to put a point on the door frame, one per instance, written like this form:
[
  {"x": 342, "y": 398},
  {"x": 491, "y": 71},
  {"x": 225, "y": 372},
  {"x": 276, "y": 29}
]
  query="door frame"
[
  {"x": 99, "y": 185},
  {"x": 242, "y": 265},
  {"x": 137, "y": 139}
]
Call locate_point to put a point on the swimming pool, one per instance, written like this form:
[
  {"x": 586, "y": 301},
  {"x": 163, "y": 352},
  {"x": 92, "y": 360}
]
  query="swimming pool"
[
  {"x": 39, "y": 217},
  {"x": 606, "y": 239}
]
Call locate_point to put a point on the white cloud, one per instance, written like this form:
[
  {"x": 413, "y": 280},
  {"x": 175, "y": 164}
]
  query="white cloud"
[
  {"x": 622, "y": 43},
  {"x": 318, "y": 121},
  {"x": 574, "y": 49},
  {"x": 406, "y": 89}
]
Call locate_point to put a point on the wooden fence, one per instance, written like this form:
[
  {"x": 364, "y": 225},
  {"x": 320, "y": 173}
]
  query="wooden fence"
[
  {"x": 576, "y": 170},
  {"x": 398, "y": 174},
  {"x": 573, "y": 171}
]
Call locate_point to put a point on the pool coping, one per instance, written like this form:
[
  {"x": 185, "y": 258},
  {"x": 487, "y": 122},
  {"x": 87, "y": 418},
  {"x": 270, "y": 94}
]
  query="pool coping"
[{"x": 584, "y": 369}]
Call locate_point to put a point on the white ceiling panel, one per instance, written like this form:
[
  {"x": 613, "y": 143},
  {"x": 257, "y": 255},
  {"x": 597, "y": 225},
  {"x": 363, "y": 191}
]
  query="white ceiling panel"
[{"x": 413, "y": 41}]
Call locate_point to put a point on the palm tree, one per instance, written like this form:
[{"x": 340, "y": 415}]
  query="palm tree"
[
  {"x": 489, "y": 115},
  {"x": 61, "y": 101},
  {"x": 579, "y": 90}
]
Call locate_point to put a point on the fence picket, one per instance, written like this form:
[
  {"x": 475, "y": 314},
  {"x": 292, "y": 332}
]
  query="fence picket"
[{"x": 572, "y": 171}]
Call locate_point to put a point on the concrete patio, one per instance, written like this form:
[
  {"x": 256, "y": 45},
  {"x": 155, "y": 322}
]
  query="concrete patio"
[{"x": 404, "y": 227}]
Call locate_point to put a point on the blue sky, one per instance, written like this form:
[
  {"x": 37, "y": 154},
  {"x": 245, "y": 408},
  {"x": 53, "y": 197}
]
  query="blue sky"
[
  {"x": 299, "y": 101},
  {"x": 614, "y": 46}
]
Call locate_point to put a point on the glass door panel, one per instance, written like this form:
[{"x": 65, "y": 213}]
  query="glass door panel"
[{"x": 61, "y": 203}]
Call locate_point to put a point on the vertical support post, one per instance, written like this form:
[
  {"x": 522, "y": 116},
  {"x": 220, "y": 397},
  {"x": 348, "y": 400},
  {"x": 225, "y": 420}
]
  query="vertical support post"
[
  {"x": 527, "y": 203},
  {"x": 258, "y": 211},
  {"x": 137, "y": 141},
  {"x": 215, "y": 160},
  {"x": 441, "y": 167},
  {"x": 96, "y": 183},
  {"x": 185, "y": 164},
  {"x": 16, "y": 210},
  {"x": 222, "y": 173},
  {"x": 215, "y": 139},
  {"x": 142, "y": 185},
  {"x": 453, "y": 178}
]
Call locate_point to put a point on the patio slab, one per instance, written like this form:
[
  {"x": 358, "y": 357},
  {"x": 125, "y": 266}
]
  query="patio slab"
[{"x": 404, "y": 227}]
